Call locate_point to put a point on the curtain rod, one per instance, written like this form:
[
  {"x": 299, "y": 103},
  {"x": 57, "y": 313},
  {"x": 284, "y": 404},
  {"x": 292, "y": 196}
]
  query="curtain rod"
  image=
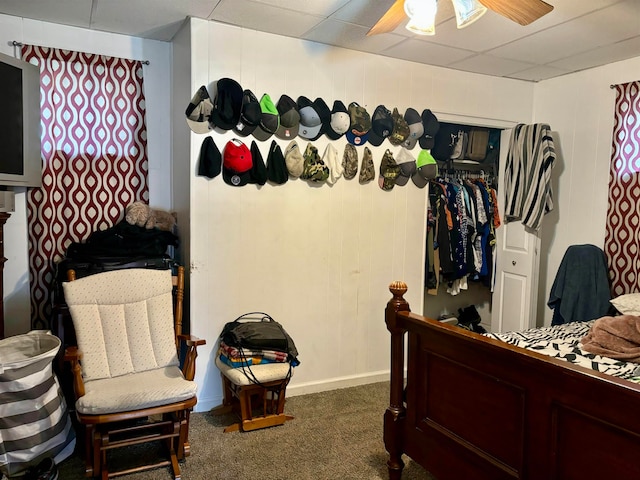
[{"x": 20, "y": 44}]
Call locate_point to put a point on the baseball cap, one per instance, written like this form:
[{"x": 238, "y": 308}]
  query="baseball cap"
[
  {"x": 310, "y": 121},
  {"x": 367, "y": 169},
  {"x": 210, "y": 160},
  {"x": 258, "y": 173},
  {"x": 236, "y": 163},
  {"x": 276, "y": 168},
  {"x": 350, "y": 161},
  {"x": 381, "y": 125},
  {"x": 340, "y": 121},
  {"x": 293, "y": 159},
  {"x": 330, "y": 159},
  {"x": 249, "y": 114},
  {"x": 359, "y": 126},
  {"x": 426, "y": 169},
  {"x": 199, "y": 110},
  {"x": 407, "y": 165},
  {"x": 431, "y": 127},
  {"x": 314, "y": 168},
  {"x": 269, "y": 119},
  {"x": 400, "y": 128},
  {"x": 289, "y": 118},
  {"x": 416, "y": 129},
  {"x": 227, "y": 104},
  {"x": 389, "y": 171}
]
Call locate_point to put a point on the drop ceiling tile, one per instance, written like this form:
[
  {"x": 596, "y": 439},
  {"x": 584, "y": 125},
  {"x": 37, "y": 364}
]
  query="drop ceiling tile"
[
  {"x": 488, "y": 65},
  {"x": 264, "y": 18},
  {"x": 322, "y": 8},
  {"x": 539, "y": 73},
  {"x": 425, "y": 52},
  {"x": 158, "y": 19},
  {"x": 601, "y": 56},
  {"x": 334, "y": 32},
  {"x": 67, "y": 12}
]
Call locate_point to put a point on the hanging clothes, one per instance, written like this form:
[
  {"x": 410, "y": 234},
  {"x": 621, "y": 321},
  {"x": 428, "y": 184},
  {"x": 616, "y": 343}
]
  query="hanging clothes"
[
  {"x": 460, "y": 233},
  {"x": 531, "y": 156}
]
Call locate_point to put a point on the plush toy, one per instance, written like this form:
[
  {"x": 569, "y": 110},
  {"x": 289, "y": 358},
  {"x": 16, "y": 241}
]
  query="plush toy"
[{"x": 142, "y": 215}]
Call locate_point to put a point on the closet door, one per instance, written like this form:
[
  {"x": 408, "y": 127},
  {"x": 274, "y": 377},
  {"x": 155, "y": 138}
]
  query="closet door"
[{"x": 514, "y": 301}]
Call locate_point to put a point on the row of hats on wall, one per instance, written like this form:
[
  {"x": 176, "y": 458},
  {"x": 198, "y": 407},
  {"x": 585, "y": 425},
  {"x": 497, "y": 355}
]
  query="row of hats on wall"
[
  {"x": 241, "y": 165},
  {"x": 232, "y": 108}
]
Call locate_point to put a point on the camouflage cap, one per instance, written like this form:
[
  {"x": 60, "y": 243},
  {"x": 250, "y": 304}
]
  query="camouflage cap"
[
  {"x": 314, "y": 168},
  {"x": 367, "y": 169},
  {"x": 350, "y": 161},
  {"x": 199, "y": 110},
  {"x": 400, "y": 128},
  {"x": 360, "y": 124},
  {"x": 389, "y": 171}
]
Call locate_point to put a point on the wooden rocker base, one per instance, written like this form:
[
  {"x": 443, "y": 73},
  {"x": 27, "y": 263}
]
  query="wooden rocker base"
[{"x": 257, "y": 406}]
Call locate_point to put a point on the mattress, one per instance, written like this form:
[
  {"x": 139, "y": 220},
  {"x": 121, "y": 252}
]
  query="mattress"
[{"x": 563, "y": 342}]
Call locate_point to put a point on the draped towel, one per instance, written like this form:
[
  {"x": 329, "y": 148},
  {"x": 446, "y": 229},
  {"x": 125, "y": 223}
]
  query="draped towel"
[
  {"x": 528, "y": 174},
  {"x": 615, "y": 337}
]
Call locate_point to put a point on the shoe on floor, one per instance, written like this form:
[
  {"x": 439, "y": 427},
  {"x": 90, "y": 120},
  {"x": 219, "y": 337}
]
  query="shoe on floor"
[{"x": 45, "y": 470}]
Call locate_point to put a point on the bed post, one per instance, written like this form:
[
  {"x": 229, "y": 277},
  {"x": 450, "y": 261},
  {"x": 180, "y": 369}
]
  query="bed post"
[{"x": 394, "y": 416}]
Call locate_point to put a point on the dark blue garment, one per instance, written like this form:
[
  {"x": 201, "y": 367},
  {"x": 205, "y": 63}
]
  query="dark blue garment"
[{"x": 581, "y": 289}]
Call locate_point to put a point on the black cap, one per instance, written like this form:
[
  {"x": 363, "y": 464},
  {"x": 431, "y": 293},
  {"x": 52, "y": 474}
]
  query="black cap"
[
  {"x": 381, "y": 125},
  {"x": 227, "y": 104},
  {"x": 431, "y": 126},
  {"x": 258, "y": 173},
  {"x": 325, "y": 116},
  {"x": 210, "y": 160},
  {"x": 249, "y": 114},
  {"x": 276, "y": 166},
  {"x": 289, "y": 118}
]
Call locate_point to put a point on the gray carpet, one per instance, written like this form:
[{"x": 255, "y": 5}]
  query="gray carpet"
[{"x": 335, "y": 435}]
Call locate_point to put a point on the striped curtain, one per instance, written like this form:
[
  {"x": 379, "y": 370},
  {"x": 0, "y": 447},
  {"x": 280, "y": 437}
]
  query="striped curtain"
[
  {"x": 94, "y": 151},
  {"x": 622, "y": 241},
  {"x": 34, "y": 422}
]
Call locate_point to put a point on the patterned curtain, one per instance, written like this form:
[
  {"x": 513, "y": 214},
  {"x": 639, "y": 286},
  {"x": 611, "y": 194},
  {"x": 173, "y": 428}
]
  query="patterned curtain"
[
  {"x": 94, "y": 152},
  {"x": 622, "y": 241}
]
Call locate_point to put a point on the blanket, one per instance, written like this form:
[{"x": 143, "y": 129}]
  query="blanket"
[{"x": 615, "y": 337}]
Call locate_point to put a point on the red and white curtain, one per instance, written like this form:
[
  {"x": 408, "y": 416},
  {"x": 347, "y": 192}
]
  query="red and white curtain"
[
  {"x": 622, "y": 241},
  {"x": 94, "y": 153}
]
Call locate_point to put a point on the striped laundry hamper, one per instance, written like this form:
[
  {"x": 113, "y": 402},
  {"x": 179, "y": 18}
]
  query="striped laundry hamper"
[{"x": 34, "y": 421}]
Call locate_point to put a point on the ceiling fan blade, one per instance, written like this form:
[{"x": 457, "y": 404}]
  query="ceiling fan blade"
[
  {"x": 390, "y": 20},
  {"x": 523, "y": 12}
]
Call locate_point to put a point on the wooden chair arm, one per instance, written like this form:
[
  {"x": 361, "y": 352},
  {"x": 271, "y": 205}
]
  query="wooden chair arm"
[
  {"x": 189, "y": 365},
  {"x": 73, "y": 356},
  {"x": 191, "y": 340}
]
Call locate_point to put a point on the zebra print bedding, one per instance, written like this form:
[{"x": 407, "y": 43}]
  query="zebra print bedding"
[{"x": 563, "y": 342}]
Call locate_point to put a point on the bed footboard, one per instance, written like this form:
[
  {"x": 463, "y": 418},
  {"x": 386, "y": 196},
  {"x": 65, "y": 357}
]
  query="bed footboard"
[{"x": 474, "y": 407}]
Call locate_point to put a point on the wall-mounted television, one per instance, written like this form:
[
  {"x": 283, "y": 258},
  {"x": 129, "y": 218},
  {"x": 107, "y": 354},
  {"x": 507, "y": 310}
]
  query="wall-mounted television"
[{"x": 20, "y": 158}]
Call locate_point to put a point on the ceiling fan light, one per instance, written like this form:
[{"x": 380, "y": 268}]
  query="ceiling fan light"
[
  {"x": 422, "y": 16},
  {"x": 420, "y": 28},
  {"x": 468, "y": 11}
]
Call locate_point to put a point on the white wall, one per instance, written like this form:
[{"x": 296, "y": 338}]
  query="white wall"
[
  {"x": 579, "y": 107},
  {"x": 319, "y": 260},
  {"x": 157, "y": 81}
]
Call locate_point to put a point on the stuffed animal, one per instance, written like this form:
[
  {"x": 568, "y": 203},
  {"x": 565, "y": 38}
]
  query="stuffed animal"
[{"x": 140, "y": 214}]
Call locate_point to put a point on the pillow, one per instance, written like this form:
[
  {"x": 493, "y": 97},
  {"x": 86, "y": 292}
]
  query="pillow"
[{"x": 628, "y": 304}]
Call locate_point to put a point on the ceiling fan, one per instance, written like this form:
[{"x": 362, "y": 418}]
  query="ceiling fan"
[{"x": 523, "y": 12}]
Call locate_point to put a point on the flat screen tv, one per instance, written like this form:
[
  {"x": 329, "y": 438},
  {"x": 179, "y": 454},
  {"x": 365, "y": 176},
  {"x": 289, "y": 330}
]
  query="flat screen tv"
[{"x": 20, "y": 158}]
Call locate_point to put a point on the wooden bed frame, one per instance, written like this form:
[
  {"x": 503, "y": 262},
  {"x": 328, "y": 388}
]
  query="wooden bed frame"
[{"x": 481, "y": 409}]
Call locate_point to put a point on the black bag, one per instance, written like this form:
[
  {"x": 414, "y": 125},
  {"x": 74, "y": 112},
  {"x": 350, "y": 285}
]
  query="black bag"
[{"x": 258, "y": 331}]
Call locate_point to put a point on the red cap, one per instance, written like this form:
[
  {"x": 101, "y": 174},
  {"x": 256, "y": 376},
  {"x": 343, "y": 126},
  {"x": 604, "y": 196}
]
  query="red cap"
[{"x": 237, "y": 156}]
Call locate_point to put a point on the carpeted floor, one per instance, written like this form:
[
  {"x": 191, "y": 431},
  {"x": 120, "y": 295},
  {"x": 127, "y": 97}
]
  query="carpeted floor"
[{"x": 335, "y": 435}]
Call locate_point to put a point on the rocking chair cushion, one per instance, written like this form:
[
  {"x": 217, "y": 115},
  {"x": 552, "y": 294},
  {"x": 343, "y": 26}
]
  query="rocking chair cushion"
[
  {"x": 135, "y": 391},
  {"x": 126, "y": 321},
  {"x": 268, "y": 372}
]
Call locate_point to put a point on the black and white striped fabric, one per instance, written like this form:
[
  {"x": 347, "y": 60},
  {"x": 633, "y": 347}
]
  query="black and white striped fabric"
[
  {"x": 563, "y": 342},
  {"x": 34, "y": 421},
  {"x": 530, "y": 159}
]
